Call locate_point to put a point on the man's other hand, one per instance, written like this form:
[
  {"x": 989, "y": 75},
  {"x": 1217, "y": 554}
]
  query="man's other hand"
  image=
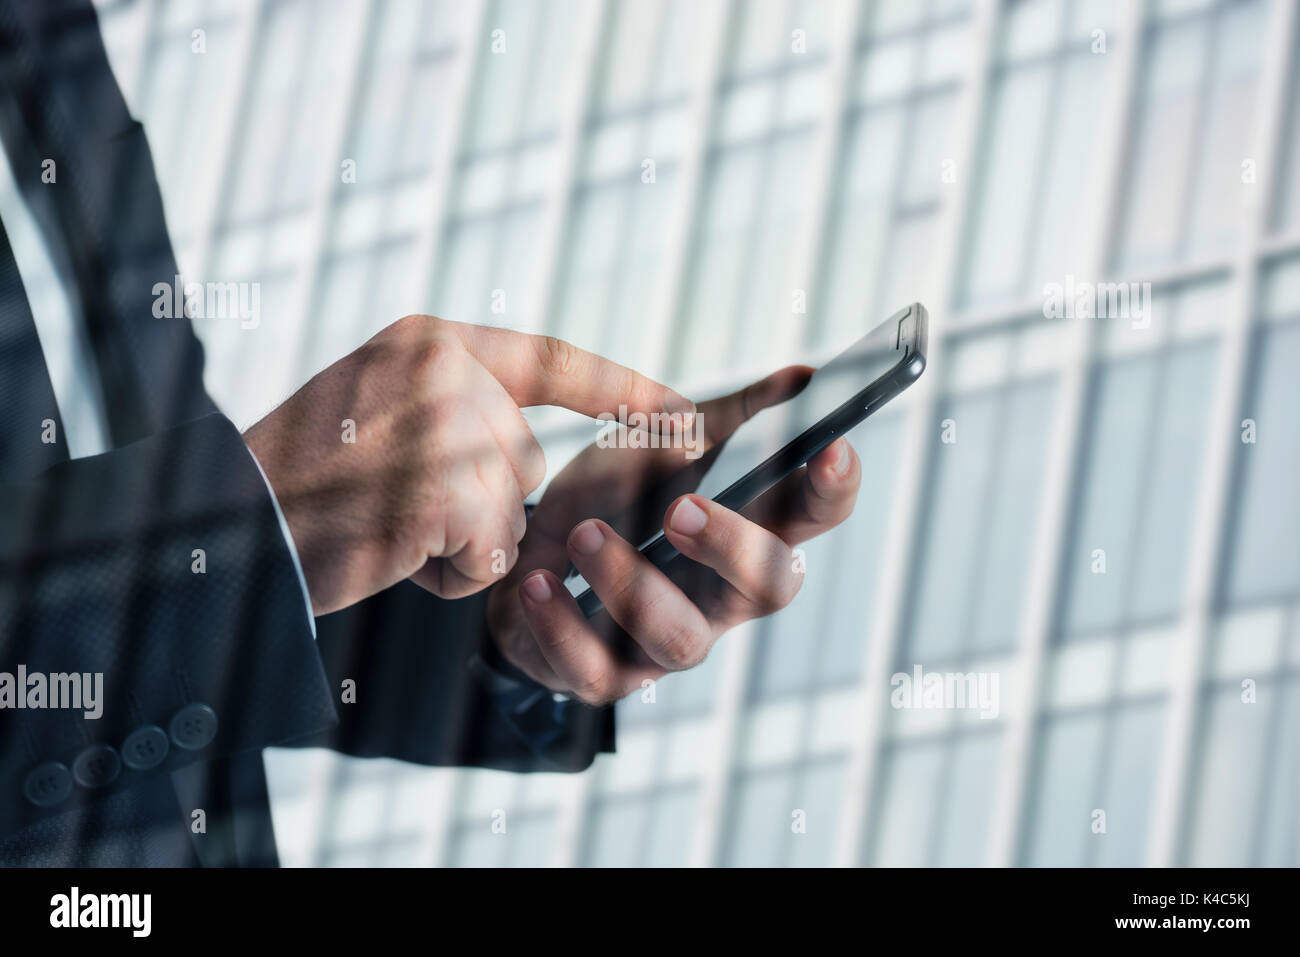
[{"x": 594, "y": 512}]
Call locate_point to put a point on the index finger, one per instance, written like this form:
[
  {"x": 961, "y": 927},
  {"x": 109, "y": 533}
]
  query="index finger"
[{"x": 544, "y": 370}]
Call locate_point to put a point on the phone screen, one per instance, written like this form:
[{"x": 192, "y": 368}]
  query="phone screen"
[
  {"x": 779, "y": 439},
  {"x": 831, "y": 388}
]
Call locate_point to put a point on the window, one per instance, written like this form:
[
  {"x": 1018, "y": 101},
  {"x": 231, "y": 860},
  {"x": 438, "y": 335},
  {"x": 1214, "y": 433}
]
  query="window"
[
  {"x": 1184, "y": 183},
  {"x": 1040, "y": 154},
  {"x": 891, "y": 175}
]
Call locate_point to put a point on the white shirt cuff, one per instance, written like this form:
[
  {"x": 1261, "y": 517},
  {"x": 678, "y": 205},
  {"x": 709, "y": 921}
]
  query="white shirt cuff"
[{"x": 288, "y": 540}]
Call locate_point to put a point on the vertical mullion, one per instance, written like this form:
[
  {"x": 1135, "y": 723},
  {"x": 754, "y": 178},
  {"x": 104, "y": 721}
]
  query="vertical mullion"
[
  {"x": 905, "y": 520},
  {"x": 440, "y": 786},
  {"x": 320, "y": 218},
  {"x": 443, "y": 171},
  {"x": 657, "y": 339},
  {"x": 225, "y": 143},
  {"x": 715, "y": 788},
  {"x": 132, "y": 77},
  {"x": 810, "y": 244},
  {"x": 1214, "y": 496},
  {"x": 555, "y": 215},
  {"x": 1063, "y": 458}
]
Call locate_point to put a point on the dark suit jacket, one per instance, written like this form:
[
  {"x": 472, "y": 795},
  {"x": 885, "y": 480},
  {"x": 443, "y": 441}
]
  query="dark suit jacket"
[{"x": 201, "y": 671}]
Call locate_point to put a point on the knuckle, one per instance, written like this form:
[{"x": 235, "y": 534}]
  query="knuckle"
[
  {"x": 518, "y": 522},
  {"x": 558, "y": 357},
  {"x": 436, "y": 508},
  {"x": 683, "y": 648},
  {"x": 745, "y": 406},
  {"x": 787, "y": 588},
  {"x": 412, "y": 551},
  {"x": 794, "y": 585},
  {"x": 535, "y": 468},
  {"x": 781, "y": 587},
  {"x": 500, "y": 554},
  {"x": 848, "y": 503},
  {"x": 627, "y": 382},
  {"x": 525, "y": 655},
  {"x": 431, "y": 535},
  {"x": 622, "y": 592},
  {"x": 435, "y": 354},
  {"x": 410, "y": 326},
  {"x": 592, "y": 690},
  {"x": 509, "y": 558},
  {"x": 835, "y": 512}
]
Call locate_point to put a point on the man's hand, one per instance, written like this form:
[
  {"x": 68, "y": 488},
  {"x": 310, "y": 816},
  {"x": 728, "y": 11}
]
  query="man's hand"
[
  {"x": 654, "y": 623},
  {"x": 429, "y": 480}
]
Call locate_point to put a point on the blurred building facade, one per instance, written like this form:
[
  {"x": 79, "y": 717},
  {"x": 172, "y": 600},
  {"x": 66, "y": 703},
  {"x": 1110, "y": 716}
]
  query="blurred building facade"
[{"x": 1102, "y": 513}]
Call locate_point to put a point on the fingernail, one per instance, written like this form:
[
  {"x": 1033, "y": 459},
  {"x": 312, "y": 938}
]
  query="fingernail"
[
  {"x": 688, "y": 518},
  {"x": 587, "y": 538},
  {"x": 675, "y": 404},
  {"x": 537, "y": 588},
  {"x": 843, "y": 460}
]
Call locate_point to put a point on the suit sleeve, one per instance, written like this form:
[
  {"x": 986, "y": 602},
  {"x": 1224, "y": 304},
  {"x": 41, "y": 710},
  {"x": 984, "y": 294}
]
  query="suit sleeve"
[
  {"x": 156, "y": 573},
  {"x": 418, "y": 680}
]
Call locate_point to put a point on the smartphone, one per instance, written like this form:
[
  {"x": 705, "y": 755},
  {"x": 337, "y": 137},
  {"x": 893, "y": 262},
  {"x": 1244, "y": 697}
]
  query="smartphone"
[{"x": 782, "y": 438}]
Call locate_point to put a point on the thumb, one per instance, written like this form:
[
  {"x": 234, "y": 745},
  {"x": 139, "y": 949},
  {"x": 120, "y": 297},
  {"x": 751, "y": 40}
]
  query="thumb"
[{"x": 721, "y": 416}]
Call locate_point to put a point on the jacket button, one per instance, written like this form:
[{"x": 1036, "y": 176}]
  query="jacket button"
[
  {"x": 145, "y": 748},
  {"x": 97, "y": 766},
  {"x": 48, "y": 784},
  {"x": 193, "y": 727}
]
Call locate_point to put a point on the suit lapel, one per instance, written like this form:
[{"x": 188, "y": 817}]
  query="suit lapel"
[{"x": 109, "y": 213}]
